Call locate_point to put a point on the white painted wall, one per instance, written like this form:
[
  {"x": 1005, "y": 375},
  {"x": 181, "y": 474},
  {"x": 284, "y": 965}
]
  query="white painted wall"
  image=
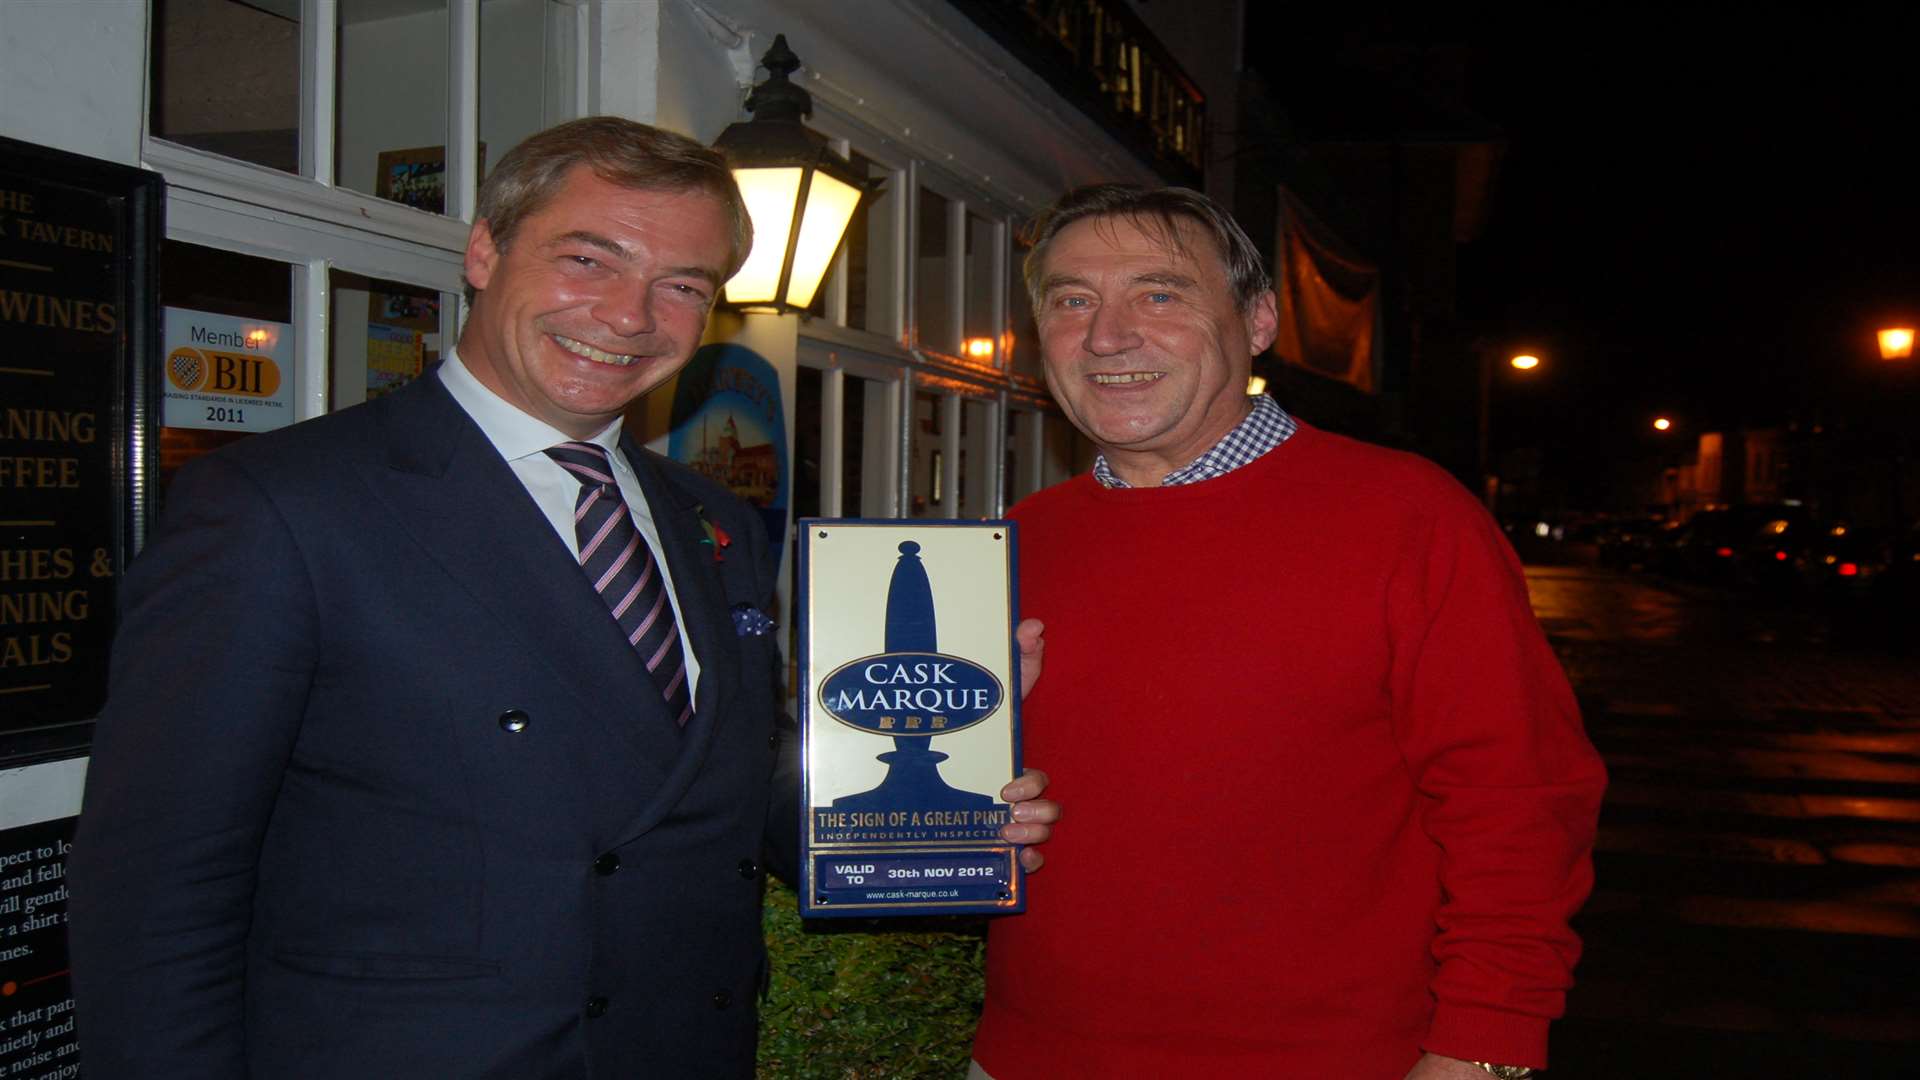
[{"x": 73, "y": 75}]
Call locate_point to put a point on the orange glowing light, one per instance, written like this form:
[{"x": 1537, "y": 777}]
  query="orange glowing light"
[
  {"x": 978, "y": 348},
  {"x": 1896, "y": 343},
  {"x": 1525, "y": 362},
  {"x": 1661, "y": 423}
]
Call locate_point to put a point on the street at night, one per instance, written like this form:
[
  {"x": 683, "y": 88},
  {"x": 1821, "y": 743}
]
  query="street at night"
[{"x": 1757, "y": 905}]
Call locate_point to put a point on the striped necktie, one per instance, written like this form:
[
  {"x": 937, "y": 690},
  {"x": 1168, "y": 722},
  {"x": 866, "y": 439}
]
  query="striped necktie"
[{"x": 622, "y": 568}]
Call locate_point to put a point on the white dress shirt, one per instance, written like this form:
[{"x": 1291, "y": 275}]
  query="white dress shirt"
[{"x": 523, "y": 441}]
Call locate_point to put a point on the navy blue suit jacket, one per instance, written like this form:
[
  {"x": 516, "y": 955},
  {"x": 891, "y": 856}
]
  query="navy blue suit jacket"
[{"x": 381, "y": 790}]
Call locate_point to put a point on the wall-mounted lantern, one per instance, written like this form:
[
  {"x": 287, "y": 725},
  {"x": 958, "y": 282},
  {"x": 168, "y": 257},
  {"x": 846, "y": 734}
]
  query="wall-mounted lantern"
[{"x": 800, "y": 194}]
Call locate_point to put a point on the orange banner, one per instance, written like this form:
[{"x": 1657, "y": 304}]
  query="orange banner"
[{"x": 1329, "y": 301}]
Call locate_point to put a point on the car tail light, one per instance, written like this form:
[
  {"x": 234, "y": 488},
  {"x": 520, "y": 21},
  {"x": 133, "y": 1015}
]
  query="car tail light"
[
  {"x": 1779, "y": 556},
  {"x": 1725, "y": 552},
  {"x": 1848, "y": 569}
]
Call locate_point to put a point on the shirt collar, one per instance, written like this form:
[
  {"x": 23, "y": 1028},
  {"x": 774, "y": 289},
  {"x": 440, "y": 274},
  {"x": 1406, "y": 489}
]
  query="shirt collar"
[
  {"x": 1266, "y": 426},
  {"x": 513, "y": 433}
]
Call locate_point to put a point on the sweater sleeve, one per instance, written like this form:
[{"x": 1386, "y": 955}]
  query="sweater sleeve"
[{"x": 1509, "y": 785}]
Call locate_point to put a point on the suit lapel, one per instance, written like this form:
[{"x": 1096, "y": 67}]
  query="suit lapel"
[
  {"x": 705, "y": 618},
  {"x": 470, "y": 513}
]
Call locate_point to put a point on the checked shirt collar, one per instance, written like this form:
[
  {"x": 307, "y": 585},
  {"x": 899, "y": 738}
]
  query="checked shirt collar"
[{"x": 1266, "y": 427}]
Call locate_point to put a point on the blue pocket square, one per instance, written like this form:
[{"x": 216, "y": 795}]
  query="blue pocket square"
[{"x": 750, "y": 621}]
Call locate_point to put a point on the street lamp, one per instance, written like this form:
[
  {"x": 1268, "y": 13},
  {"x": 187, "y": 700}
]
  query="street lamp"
[
  {"x": 800, "y": 194},
  {"x": 1896, "y": 343},
  {"x": 1661, "y": 423},
  {"x": 1524, "y": 362}
]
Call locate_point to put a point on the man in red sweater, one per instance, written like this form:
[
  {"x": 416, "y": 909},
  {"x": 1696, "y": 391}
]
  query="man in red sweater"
[{"x": 1321, "y": 648}]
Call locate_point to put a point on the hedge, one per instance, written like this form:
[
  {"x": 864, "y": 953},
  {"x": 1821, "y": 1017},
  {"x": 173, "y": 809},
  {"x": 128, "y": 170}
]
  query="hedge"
[{"x": 863, "y": 999}]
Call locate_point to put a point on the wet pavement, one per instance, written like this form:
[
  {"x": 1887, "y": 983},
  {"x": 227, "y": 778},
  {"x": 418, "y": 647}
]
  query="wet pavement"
[{"x": 1757, "y": 909}]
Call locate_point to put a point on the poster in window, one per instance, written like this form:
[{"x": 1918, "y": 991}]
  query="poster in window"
[{"x": 417, "y": 177}]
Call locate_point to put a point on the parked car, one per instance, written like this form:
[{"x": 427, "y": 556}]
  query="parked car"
[
  {"x": 1774, "y": 557},
  {"x": 1706, "y": 548},
  {"x": 1628, "y": 542},
  {"x": 1847, "y": 564}
]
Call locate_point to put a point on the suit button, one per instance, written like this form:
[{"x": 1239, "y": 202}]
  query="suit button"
[
  {"x": 596, "y": 1007},
  {"x": 749, "y": 869},
  {"x": 773, "y": 741},
  {"x": 722, "y": 998},
  {"x": 513, "y": 721},
  {"x": 606, "y": 864}
]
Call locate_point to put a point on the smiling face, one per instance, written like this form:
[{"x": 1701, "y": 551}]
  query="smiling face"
[
  {"x": 1144, "y": 344},
  {"x": 601, "y": 295}
]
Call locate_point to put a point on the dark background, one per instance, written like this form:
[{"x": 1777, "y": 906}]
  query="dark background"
[{"x": 1700, "y": 216}]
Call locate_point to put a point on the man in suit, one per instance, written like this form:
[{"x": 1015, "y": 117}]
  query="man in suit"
[{"x": 442, "y": 738}]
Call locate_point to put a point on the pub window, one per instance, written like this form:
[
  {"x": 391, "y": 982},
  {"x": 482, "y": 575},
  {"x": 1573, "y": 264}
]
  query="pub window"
[
  {"x": 389, "y": 81},
  {"x": 976, "y": 479},
  {"x": 934, "y": 280},
  {"x": 983, "y": 311},
  {"x": 224, "y": 76},
  {"x": 809, "y": 442},
  {"x": 392, "y": 94},
  {"x": 385, "y": 334},
  {"x": 1025, "y": 336},
  {"x": 227, "y": 333},
  {"x": 929, "y": 490}
]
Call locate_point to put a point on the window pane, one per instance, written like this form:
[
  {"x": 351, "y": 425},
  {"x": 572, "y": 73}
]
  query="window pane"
[
  {"x": 1026, "y": 339},
  {"x": 983, "y": 284},
  {"x": 933, "y": 278},
  {"x": 870, "y": 260},
  {"x": 527, "y": 64},
  {"x": 1026, "y": 454},
  {"x": 862, "y": 463},
  {"x": 393, "y": 101},
  {"x": 976, "y": 459},
  {"x": 928, "y": 488},
  {"x": 223, "y": 310},
  {"x": 385, "y": 333},
  {"x": 226, "y": 78},
  {"x": 808, "y": 442},
  {"x": 1067, "y": 453}
]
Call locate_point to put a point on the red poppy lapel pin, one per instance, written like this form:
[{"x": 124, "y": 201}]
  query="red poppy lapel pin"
[{"x": 717, "y": 537}]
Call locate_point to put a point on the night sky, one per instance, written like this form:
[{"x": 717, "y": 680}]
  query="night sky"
[{"x": 1704, "y": 217}]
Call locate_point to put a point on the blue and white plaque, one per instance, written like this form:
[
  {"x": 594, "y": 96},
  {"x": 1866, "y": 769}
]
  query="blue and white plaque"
[{"x": 909, "y": 717}]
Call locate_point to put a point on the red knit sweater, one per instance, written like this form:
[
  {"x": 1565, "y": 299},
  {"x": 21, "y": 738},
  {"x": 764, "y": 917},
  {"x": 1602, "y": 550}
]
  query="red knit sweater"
[{"x": 1328, "y": 798}]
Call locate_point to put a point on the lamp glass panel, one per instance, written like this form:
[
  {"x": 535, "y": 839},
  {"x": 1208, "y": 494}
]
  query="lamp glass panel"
[
  {"x": 770, "y": 194},
  {"x": 830, "y": 206}
]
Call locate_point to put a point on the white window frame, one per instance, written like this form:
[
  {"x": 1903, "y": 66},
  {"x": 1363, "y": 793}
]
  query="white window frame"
[{"x": 316, "y": 227}]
